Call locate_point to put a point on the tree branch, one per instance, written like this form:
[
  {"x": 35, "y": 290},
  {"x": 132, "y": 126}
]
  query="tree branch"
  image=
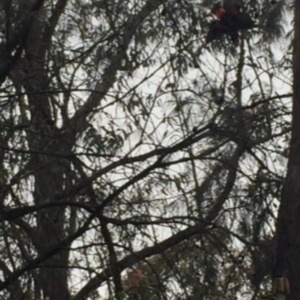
[
  {"x": 134, "y": 258},
  {"x": 79, "y": 121}
]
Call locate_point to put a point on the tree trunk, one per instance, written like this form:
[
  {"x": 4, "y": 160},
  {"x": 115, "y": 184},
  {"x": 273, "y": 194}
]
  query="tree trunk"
[
  {"x": 48, "y": 146},
  {"x": 288, "y": 227}
]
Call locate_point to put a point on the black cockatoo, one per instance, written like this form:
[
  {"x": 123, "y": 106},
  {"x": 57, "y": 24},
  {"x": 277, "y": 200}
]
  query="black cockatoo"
[{"x": 229, "y": 22}]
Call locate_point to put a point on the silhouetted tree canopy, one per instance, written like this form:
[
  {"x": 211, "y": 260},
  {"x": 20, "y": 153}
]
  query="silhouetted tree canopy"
[{"x": 137, "y": 162}]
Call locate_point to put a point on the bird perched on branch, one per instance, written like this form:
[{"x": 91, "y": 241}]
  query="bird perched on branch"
[{"x": 229, "y": 22}]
